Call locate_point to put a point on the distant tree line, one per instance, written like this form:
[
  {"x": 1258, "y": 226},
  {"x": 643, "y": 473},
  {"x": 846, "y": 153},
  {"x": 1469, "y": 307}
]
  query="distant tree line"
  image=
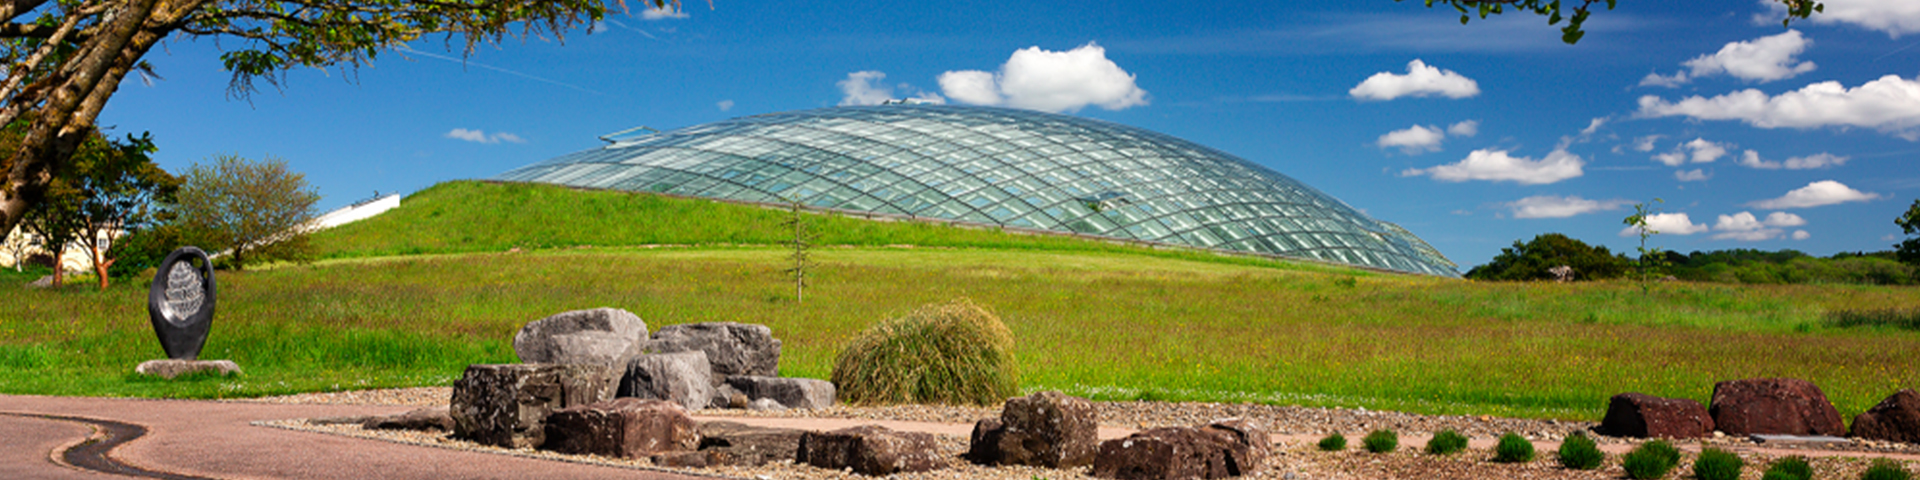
[{"x": 1531, "y": 261}]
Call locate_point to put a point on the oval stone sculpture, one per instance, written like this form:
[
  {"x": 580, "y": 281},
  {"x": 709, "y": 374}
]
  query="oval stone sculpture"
[{"x": 180, "y": 302}]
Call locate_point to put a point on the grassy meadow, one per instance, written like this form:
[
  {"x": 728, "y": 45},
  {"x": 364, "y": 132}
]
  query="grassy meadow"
[{"x": 1094, "y": 319}]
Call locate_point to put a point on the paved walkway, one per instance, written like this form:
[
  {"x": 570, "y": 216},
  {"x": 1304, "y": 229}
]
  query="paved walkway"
[{"x": 193, "y": 438}]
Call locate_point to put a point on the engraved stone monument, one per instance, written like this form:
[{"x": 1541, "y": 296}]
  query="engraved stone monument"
[{"x": 180, "y": 304}]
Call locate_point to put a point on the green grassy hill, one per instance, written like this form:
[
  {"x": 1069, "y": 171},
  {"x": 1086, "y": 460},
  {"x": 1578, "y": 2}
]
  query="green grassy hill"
[{"x": 410, "y": 297}]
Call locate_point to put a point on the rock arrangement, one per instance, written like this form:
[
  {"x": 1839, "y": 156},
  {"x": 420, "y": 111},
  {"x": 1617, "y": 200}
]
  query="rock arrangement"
[
  {"x": 596, "y": 383},
  {"x": 1760, "y": 406},
  {"x": 1046, "y": 429}
]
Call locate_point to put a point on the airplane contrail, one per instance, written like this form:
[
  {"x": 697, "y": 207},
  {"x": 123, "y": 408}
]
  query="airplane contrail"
[{"x": 409, "y": 50}]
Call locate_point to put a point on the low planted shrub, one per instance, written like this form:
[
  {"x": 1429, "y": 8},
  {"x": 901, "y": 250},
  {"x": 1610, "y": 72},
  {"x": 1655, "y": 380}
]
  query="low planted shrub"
[
  {"x": 1717, "y": 464},
  {"x": 1446, "y": 442},
  {"x": 1578, "y": 452},
  {"x": 1790, "y": 468},
  {"x": 1885, "y": 469},
  {"x": 1513, "y": 448},
  {"x": 951, "y": 353},
  {"x": 1334, "y": 442},
  {"x": 1381, "y": 441},
  {"x": 1650, "y": 460}
]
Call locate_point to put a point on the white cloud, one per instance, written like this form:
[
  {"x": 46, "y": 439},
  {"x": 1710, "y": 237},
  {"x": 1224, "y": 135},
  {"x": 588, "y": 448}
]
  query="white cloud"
[
  {"x": 1752, "y": 159},
  {"x": 1824, "y": 192},
  {"x": 1763, "y": 59},
  {"x": 1890, "y": 104},
  {"x": 1593, "y": 126},
  {"x": 864, "y": 88},
  {"x": 1667, "y": 224},
  {"x": 859, "y": 88},
  {"x": 1421, "y": 80},
  {"x": 477, "y": 136},
  {"x": 724, "y": 105},
  {"x": 1801, "y": 235},
  {"x": 1699, "y": 150},
  {"x": 1645, "y": 144},
  {"x": 1048, "y": 81},
  {"x": 1550, "y": 206},
  {"x": 1695, "y": 175},
  {"x": 1744, "y": 226},
  {"x": 1896, "y": 17},
  {"x": 655, "y": 13},
  {"x": 1466, "y": 128},
  {"x": 1414, "y": 140},
  {"x": 1498, "y": 165}
]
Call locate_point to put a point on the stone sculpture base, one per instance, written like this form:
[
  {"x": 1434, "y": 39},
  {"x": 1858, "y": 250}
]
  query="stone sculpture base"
[{"x": 171, "y": 368}]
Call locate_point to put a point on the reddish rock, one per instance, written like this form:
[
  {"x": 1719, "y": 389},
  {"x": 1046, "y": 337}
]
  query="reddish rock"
[
  {"x": 1645, "y": 416},
  {"x": 732, "y": 443},
  {"x": 1224, "y": 449},
  {"x": 1774, "y": 406},
  {"x": 683, "y": 460},
  {"x": 507, "y": 405},
  {"x": 1047, "y": 429},
  {"x": 622, "y": 427},
  {"x": 424, "y": 419},
  {"x": 1895, "y": 419},
  {"x": 870, "y": 450}
]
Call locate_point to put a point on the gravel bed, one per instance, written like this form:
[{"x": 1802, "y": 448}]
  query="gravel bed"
[{"x": 1292, "y": 459}]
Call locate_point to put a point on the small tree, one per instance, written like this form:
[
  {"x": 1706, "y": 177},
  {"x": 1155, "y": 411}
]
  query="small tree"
[
  {"x": 254, "y": 211},
  {"x": 1909, "y": 251},
  {"x": 56, "y": 222},
  {"x": 801, "y": 242},
  {"x": 118, "y": 186},
  {"x": 1650, "y": 258}
]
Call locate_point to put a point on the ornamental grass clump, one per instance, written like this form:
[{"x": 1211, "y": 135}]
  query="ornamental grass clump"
[
  {"x": 1790, "y": 468},
  {"x": 1885, "y": 469},
  {"x": 1717, "y": 464},
  {"x": 949, "y": 353},
  {"x": 1650, "y": 460},
  {"x": 1578, "y": 452},
  {"x": 1446, "y": 442},
  {"x": 1334, "y": 442},
  {"x": 1513, "y": 449},
  {"x": 1381, "y": 441}
]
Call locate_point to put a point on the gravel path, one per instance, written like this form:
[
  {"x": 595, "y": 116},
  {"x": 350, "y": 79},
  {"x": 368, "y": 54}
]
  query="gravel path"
[{"x": 1295, "y": 455}]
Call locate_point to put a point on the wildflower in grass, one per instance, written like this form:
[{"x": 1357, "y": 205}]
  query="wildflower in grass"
[
  {"x": 1446, "y": 442},
  {"x": 1334, "y": 442},
  {"x": 1513, "y": 449},
  {"x": 1578, "y": 452},
  {"x": 1381, "y": 441},
  {"x": 1717, "y": 464}
]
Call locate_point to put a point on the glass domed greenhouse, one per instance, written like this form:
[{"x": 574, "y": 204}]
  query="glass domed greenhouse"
[{"x": 1016, "y": 169}]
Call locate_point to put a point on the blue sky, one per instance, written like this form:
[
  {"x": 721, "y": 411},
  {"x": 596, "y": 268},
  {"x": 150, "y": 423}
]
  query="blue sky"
[{"x": 1761, "y": 136}]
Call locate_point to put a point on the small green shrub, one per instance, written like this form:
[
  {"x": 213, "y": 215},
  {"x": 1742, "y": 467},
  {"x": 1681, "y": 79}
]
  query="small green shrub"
[
  {"x": 1578, "y": 452},
  {"x": 1446, "y": 442},
  {"x": 1334, "y": 442},
  {"x": 1513, "y": 448},
  {"x": 1885, "y": 469},
  {"x": 951, "y": 353},
  {"x": 1717, "y": 464},
  {"x": 1381, "y": 441},
  {"x": 1650, "y": 460},
  {"x": 1790, "y": 468}
]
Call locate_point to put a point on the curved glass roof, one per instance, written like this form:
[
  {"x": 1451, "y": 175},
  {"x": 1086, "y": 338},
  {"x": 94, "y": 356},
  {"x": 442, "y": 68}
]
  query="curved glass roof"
[{"x": 1003, "y": 167}]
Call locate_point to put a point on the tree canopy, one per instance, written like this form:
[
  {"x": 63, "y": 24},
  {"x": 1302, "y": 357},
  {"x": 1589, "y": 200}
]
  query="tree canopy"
[
  {"x": 1909, "y": 251},
  {"x": 1576, "y": 11},
  {"x": 1533, "y": 260},
  {"x": 66, "y": 58},
  {"x": 252, "y": 210}
]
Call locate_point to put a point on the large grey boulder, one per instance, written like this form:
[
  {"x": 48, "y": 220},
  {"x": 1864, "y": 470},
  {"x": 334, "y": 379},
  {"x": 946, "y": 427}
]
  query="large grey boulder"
[
  {"x": 622, "y": 427},
  {"x": 790, "y": 392},
  {"x": 1047, "y": 429},
  {"x": 507, "y": 405},
  {"x": 601, "y": 336},
  {"x": 680, "y": 377},
  {"x": 870, "y": 450},
  {"x": 732, "y": 348}
]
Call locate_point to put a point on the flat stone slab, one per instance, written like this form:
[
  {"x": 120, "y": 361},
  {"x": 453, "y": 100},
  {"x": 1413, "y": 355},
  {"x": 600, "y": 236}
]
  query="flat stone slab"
[
  {"x": 171, "y": 368},
  {"x": 1796, "y": 439}
]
